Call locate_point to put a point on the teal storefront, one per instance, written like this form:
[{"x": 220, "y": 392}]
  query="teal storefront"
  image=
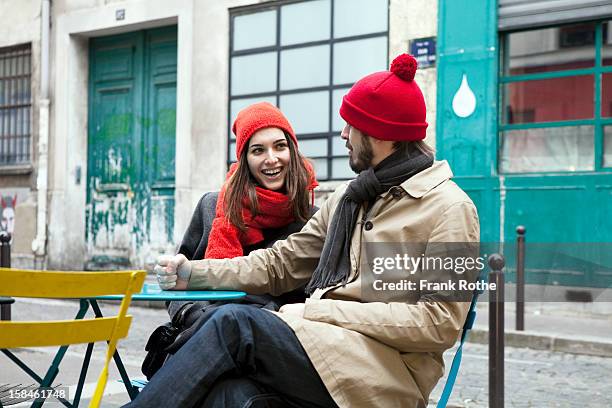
[{"x": 524, "y": 116}]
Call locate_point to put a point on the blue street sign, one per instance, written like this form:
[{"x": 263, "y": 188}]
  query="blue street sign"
[{"x": 424, "y": 50}]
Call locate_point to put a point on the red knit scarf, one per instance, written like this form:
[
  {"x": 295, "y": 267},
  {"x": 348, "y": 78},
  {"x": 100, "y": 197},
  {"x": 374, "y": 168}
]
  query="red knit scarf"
[{"x": 275, "y": 211}]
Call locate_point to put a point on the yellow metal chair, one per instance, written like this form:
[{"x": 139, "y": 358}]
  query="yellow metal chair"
[{"x": 68, "y": 285}]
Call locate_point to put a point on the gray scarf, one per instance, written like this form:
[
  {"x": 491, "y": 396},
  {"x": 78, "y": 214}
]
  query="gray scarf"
[{"x": 334, "y": 264}]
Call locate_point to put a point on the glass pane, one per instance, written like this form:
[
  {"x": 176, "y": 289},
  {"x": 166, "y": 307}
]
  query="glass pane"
[
  {"x": 337, "y": 121},
  {"x": 238, "y": 104},
  {"x": 313, "y": 147},
  {"x": 355, "y": 17},
  {"x": 606, "y": 52},
  {"x": 341, "y": 169},
  {"x": 28, "y": 62},
  {"x": 339, "y": 146},
  {"x": 22, "y": 121},
  {"x": 232, "y": 154},
  {"x": 549, "y": 100},
  {"x": 307, "y": 112},
  {"x": 303, "y": 22},
  {"x": 320, "y": 166},
  {"x": 606, "y": 95},
  {"x": 25, "y": 91},
  {"x": 254, "y": 73},
  {"x": 355, "y": 59},
  {"x": 305, "y": 67},
  {"x": 255, "y": 30},
  {"x": 607, "y": 153},
  {"x": 568, "y": 148},
  {"x": 552, "y": 49}
]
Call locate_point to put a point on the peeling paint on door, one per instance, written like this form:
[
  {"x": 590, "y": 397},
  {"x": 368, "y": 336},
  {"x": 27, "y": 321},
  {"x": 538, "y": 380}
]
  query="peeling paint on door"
[{"x": 130, "y": 182}]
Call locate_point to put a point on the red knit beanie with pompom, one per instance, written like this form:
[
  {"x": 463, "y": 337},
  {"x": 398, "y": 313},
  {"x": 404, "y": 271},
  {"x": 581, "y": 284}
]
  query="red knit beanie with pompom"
[
  {"x": 256, "y": 117},
  {"x": 388, "y": 105}
]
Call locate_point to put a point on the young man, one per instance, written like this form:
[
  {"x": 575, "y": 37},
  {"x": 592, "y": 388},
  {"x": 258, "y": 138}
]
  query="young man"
[{"x": 339, "y": 348}]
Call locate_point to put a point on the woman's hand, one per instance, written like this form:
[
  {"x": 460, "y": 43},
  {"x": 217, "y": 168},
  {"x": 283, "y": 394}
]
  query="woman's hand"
[{"x": 173, "y": 272}]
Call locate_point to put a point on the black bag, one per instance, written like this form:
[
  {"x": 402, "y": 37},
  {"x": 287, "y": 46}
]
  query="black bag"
[
  {"x": 158, "y": 345},
  {"x": 161, "y": 338}
]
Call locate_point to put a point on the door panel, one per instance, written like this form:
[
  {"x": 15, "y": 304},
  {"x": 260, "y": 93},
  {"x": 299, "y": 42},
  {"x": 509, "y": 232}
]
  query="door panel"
[
  {"x": 160, "y": 156},
  {"x": 467, "y": 60}
]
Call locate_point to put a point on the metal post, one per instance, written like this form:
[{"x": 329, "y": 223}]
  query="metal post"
[
  {"x": 520, "y": 277},
  {"x": 496, "y": 332},
  {"x": 5, "y": 262}
]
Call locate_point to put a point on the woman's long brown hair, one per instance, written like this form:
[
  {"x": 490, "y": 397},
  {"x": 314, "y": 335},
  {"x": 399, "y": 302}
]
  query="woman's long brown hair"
[{"x": 242, "y": 184}]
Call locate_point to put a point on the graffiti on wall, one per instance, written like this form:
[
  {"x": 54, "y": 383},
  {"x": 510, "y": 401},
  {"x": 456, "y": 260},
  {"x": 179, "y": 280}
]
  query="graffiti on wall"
[
  {"x": 9, "y": 199},
  {"x": 7, "y": 223}
]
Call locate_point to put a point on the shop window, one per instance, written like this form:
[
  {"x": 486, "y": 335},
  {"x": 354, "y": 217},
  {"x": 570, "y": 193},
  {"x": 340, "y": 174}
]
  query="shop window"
[
  {"x": 556, "y": 107},
  {"x": 578, "y": 35},
  {"x": 607, "y": 154},
  {"x": 15, "y": 105},
  {"x": 606, "y": 50},
  {"x": 567, "y": 148},
  {"x": 303, "y": 57},
  {"x": 550, "y": 100}
]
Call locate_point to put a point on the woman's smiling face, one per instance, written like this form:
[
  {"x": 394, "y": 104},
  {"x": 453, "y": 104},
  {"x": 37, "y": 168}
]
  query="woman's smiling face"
[{"x": 268, "y": 158}]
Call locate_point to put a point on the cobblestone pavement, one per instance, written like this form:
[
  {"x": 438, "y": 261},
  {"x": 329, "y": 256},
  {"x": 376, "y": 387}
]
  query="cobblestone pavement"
[{"x": 533, "y": 378}]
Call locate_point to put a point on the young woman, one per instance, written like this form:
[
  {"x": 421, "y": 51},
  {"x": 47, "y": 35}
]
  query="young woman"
[
  {"x": 268, "y": 195},
  {"x": 269, "y": 188}
]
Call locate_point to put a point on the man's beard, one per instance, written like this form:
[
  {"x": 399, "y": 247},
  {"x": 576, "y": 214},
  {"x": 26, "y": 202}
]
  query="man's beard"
[{"x": 363, "y": 161}]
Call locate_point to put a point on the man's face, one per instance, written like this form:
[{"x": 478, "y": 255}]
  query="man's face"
[{"x": 360, "y": 149}]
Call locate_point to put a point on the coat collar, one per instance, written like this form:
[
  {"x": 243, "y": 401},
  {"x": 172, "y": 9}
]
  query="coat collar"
[{"x": 421, "y": 183}]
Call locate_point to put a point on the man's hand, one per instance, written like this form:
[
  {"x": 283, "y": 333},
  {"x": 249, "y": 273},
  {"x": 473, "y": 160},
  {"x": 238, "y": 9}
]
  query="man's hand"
[
  {"x": 173, "y": 272},
  {"x": 296, "y": 309}
]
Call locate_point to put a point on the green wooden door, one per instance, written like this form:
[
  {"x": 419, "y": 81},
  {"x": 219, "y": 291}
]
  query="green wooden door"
[{"x": 131, "y": 147}]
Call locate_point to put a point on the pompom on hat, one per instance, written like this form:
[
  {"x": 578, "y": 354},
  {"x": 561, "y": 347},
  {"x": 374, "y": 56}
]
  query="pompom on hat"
[
  {"x": 256, "y": 117},
  {"x": 388, "y": 105}
]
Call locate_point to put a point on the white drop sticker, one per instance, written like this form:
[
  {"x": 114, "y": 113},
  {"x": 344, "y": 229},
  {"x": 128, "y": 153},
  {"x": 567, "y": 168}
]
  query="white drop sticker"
[{"x": 464, "y": 101}]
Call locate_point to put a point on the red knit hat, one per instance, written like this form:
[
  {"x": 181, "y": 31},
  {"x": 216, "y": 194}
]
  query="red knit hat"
[
  {"x": 388, "y": 105},
  {"x": 255, "y": 117}
]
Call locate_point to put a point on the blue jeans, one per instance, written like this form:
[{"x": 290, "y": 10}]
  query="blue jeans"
[{"x": 241, "y": 357}]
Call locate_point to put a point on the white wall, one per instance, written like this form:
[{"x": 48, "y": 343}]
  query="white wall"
[{"x": 410, "y": 20}]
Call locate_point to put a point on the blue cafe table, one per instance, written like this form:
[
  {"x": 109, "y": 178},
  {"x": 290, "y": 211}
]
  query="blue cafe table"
[{"x": 149, "y": 292}]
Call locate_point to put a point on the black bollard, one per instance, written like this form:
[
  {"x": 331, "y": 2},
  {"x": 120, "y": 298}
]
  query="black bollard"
[
  {"x": 496, "y": 332},
  {"x": 520, "y": 277},
  {"x": 5, "y": 249},
  {"x": 5, "y": 262}
]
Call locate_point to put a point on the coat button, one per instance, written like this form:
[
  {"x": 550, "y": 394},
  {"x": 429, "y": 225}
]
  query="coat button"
[
  {"x": 397, "y": 193},
  {"x": 368, "y": 225}
]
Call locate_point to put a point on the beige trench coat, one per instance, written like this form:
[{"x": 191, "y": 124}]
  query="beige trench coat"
[{"x": 367, "y": 354}]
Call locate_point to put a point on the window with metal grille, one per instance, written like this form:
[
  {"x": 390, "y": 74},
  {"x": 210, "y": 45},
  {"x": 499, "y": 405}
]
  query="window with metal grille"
[
  {"x": 15, "y": 104},
  {"x": 303, "y": 56}
]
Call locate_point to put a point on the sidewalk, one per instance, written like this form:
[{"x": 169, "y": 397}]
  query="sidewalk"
[{"x": 567, "y": 327}]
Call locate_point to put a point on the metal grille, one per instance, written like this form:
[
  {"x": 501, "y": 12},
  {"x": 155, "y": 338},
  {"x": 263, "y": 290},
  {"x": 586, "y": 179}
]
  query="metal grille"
[{"x": 15, "y": 104}]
